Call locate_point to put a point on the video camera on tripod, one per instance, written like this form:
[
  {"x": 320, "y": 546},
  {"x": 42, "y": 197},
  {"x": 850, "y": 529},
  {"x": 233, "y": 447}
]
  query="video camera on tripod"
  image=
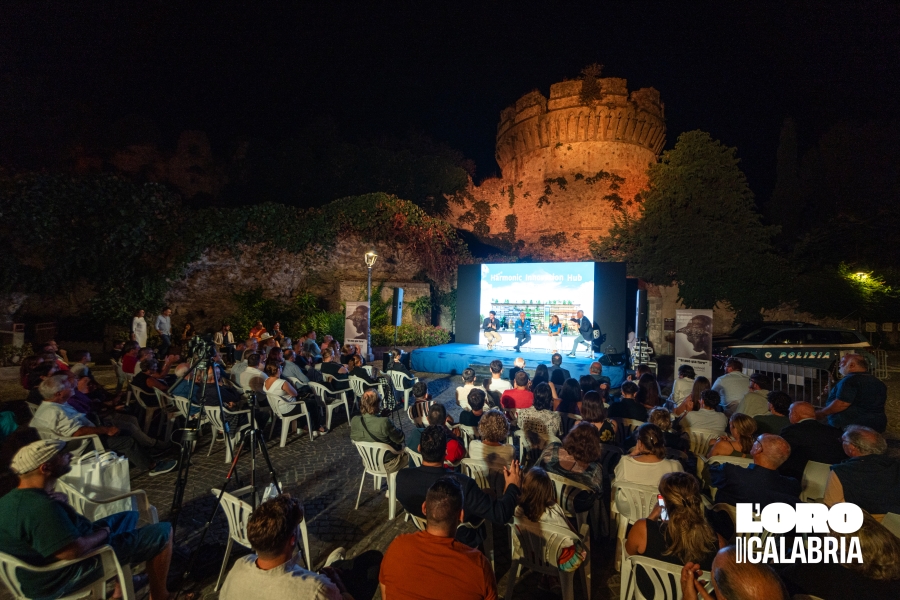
[{"x": 201, "y": 347}]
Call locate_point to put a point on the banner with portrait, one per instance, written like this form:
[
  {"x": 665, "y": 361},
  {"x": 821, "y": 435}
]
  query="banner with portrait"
[
  {"x": 693, "y": 340},
  {"x": 356, "y": 326}
]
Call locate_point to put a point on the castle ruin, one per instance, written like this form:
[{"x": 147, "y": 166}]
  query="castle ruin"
[{"x": 567, "y": 162}]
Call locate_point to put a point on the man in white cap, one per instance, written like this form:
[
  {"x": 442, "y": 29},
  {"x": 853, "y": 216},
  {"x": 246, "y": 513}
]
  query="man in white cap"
[{"x": 38, "y": 527}]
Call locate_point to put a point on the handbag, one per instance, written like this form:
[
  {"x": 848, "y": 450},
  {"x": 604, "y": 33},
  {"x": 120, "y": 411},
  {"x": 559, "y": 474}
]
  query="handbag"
[{"x": 99, "y": 475}]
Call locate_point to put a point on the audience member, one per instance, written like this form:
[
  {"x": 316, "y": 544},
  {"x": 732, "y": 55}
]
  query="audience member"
[
  {"x": 570, "y": 398},
  {"x": 809, "y": 440},
  {"x": 252, "y": 378},
  {"x": 59, "y": 354},
  {"x": 290, "y": 370},
  {"x": 492, "y": 447},
  {"x": 42, "y": 371},
  {"x": 648, "y": 392},
  {"x": 371, "y": 381},
  {"x": 518, "y": 365},
  {"x": 498, "y": 384},
  {"x": 756, "y": 401},
  {"x": 627, "y": 406},
  {"x": 475, "y": 401},
  {"x": 869, "y": 478},
  {"x": 463, "y": 391},
  {"x": 875, "y": 578},
  {"x": 38, "y": 527},
  {"x": 777, "y": 418},
  {"x": 413, "y": 484},
  {"x": 596, "y": 371},
  {"x": 130, "y": 351},
  {"x": 520, "y": 396},
  {"x": 57, "y": 417},
  {"x": 692, "y": 401},
  {"x": 224, "y": 341},
  {"x": 858, "y": 398},
  {"x": 28, "y": 364},
  {"x": 285, "y": 399},
  {"x": 577, "y": 458},
  {"x": 683, "y": 536},
  {"x": 540, "y": 418},
  {"x": 231, "y": 401},
  {"x": 556, "y": 365},
  {"x": 311, "y": 346},
  {"x": 588, "y": 384},
  {"x": 537, "y": 507},
  {"x": 733, "y": 385},
  {"x": 437, "y": 415},
  {"x": 706, "y": 418},
  {"x": 149, "y": 379},
  {"x": 492, "y": 396},
  {"x": 187, "y": 333},
  {"x": 272, "y": 530},
  {"x": 541, "y": 375},
  {"x": 732, "y": 580},
  {"x": 593, "y": 412},
  {"x": 398, "y": 367},
  {"x": 759, "y": 483},
  {"x": 370, "y": 426},
  {"x": 557, "y": 379},
  {"x": 450, "y": 568},
  {"x": 681, "y": 388},
  {"x": 339, "y": 373},
  {"x": 257, "y": 330},
  {"x": 647, "y": 462},
  {"x": 743, "y": 433}
]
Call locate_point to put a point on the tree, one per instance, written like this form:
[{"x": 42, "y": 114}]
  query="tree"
[{"x": 697, "y": 227}]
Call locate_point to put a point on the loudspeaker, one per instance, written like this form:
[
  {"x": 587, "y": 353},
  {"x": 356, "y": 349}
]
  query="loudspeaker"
[
  {"x": 641, "y": 312},
  {"x": 397, "y": 307},
  {"x": 613, "y": 360}
]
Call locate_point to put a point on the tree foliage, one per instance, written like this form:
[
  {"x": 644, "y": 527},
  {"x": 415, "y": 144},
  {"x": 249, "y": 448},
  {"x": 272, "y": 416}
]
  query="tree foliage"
[{"x": 697, "y": 227}]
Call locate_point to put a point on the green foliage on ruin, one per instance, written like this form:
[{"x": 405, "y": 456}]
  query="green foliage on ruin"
[{"x": 125, "y": 242}]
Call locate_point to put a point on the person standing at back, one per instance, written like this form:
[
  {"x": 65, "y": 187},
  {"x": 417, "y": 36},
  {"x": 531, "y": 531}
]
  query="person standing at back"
[
  {"x": 164, "y": 329},
  {"x": 858, "y": 398}
]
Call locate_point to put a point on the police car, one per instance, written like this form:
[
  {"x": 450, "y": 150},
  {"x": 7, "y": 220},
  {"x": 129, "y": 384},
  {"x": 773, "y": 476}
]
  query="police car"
[{"x": 790, "y": 342}]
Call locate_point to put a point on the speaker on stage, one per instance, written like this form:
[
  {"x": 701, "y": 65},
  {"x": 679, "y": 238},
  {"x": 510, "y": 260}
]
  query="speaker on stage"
[
  {"x": 641, "y": 315},
  {"x": 397, "y": 307}
]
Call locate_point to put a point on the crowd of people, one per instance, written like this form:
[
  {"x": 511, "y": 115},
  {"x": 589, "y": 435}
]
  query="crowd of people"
[{"x": 582, "y": 430}]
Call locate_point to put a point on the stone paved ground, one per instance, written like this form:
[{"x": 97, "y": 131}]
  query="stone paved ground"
[{"x": 326, "y": 474}]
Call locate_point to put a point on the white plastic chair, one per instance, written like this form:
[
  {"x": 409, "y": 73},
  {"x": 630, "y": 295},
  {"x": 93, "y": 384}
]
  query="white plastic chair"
[
  {"x": 338, "y": 399},
  {"x": 276, "y": 402},
  {"x": 142, "y": 398},
  {"x": 238, "y": 514},
  {"x": 566, "y": 490},
  {"x": 665, "y": 577},
  {"x": 214, "y": 414},
  {"x": 86, "y": 507},
  {"x": 415, "y": 456},
  {"x": 740, "y": 461},
  {"x": 815, "y": 477},
  {"x": 168, "y": 408},
  {"x": 183, "y": 406},
  {"x": 468, "y": 434},
  {"x": 699, "y": 439},
  {"x": 630, "y": 425},
  {"x": 373, "y": 456},
  {"x": 111, "y": 570},
  {"x": 88, "y": 442},
  {"x": 123, "y": 380},
  {"x": 525, "y": 442},
  {"x": 631, "y": 502},
  {"x": 418, "y": 413},
  {"x": 540, "y": 546},
  {"x": 398, "y": 378},
  {"x": 32, "y": 408}
]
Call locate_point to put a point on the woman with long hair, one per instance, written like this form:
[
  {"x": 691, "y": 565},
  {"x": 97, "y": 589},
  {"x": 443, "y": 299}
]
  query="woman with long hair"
[
  {"x": 682, "y": 385},
  {"x": 283, "y": 397},
  {"x": 739, "y": 443},
  {"x": 683, "y": 536},
  {"x": 188, "y": 333},
  {"x": 593, "y": 411},
  {"x": 541, "y": 375},
  {"x": 569, "y": 397},
  {"x": 692, "y": 401},
  {"x": 648, "y": 392},
  {"x": 554, "y": 330},
  {"x": 557, "y": 379},
  {"x": 647, "y": 461}
]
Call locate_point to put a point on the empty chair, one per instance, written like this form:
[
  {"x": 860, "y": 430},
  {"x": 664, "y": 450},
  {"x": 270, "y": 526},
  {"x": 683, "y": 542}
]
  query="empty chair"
[
  {"x": 398, "y": 378},
  {"x": 333, "y": 401},
  {"x": 665, "y": 578},
  {"x": 373, "y": 456},
  {"x": 539, "y": 548},
  {"x": 150, "y": 409},
  {"x": 214, "y": 414},
  {"x": 815, "y": 476}
]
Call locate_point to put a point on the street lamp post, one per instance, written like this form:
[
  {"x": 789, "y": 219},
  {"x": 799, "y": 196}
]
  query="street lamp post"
[{"x": 371, "y": 257}]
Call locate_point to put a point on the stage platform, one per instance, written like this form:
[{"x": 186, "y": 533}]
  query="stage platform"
[{"x": 454, "y": 358}]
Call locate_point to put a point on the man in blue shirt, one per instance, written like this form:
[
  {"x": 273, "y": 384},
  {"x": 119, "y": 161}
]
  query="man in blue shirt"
[
  {"x": 164, "y": 328},
  {"x": 858, "y": 398},
  {"x": 585, "y": 333},
  {"x": 523, "y": 331}
]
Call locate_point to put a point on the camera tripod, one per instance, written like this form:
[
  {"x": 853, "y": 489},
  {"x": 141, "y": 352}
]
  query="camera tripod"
[{"x": 250, "y": 434}]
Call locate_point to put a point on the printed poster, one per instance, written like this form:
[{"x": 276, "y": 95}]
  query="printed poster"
[
  {"x": 356, "y": 326},
  {"x": 693, "y": 340}
]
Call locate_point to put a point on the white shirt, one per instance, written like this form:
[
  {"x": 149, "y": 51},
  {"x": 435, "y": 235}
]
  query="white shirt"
[
  {"x": 462, "y": 395},
  {"x": 755, "y": 403},
  {"x": 500, "y": 385},
  {"x": 139, "y": 328},
  {"x": 641, "y": 473},
  {"x": 705, "y": 419},
  {"x": 164, "y": 325},
  {"x": 246, "y": 580},
  {"x": 252, "y": 379},
  {"x": 732, "y": 387},
  {"x": 681, "y": 390},
  {"x": 60, "y": 419}
]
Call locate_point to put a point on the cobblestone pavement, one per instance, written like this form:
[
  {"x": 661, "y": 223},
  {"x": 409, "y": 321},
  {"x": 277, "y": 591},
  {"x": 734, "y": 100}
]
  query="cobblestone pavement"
[{"x": 326, "y": 473}]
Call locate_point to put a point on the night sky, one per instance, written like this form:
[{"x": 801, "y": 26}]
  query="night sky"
[{"x": 69, "y": 72}]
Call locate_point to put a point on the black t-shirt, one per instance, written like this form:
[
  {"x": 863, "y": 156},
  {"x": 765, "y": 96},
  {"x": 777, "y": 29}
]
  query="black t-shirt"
[
  {"x": 364, "y": 375},
  {"x": 469, "y": 419}
]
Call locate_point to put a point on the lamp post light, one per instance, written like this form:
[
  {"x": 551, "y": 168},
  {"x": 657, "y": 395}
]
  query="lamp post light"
[{"x": 371, "y": 257}]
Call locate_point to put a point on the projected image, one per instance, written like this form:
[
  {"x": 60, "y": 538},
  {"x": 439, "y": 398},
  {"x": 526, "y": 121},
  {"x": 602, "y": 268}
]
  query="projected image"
[{"x": 540, "y": 290}]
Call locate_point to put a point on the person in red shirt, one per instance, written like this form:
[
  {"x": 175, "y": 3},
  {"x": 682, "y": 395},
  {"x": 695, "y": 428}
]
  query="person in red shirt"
[
  {"x": 130, "y": 356},
  {"x": 444, "y": 567},
  {"x": 520, "y": 396}
]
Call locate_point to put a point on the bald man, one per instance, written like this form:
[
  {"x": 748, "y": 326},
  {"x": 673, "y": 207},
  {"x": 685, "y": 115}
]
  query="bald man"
[
  {"x": 809, "y": 440},
  {"x": 732, "y": 581},
  {"x": 858, "y": 398},
  {"x": 760, "y": 482}
]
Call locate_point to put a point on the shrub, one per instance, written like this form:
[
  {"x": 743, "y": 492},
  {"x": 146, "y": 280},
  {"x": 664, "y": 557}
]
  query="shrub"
[{"x": 410, "y": 334}]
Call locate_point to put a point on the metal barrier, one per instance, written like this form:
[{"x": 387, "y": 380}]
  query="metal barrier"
[
  {"x": 801, "y": 383},
  {"x": 881, "y": 365}
]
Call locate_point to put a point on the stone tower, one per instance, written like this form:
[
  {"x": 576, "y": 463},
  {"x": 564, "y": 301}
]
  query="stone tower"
[{"x": 566, "y": 163}]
